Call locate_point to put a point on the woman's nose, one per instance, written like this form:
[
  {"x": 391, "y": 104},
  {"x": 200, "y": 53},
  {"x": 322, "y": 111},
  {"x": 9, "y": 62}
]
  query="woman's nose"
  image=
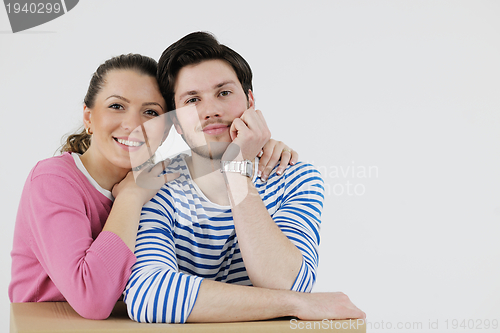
[{"x": 132, "y": 121}]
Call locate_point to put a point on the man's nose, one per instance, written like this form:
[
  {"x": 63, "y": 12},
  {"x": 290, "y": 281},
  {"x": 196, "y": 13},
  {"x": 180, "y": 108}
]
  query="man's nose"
[{"x": 210, "y": 108}]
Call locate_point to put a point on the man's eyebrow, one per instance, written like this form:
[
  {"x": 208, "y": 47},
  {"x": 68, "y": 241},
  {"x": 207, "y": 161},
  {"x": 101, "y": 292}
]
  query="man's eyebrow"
[
  {"x": 188, "y": 93},
  {"x": 126, "y": 100},
  {"x": 222, "y": 84},
  {"x": 217, "y": 86}
]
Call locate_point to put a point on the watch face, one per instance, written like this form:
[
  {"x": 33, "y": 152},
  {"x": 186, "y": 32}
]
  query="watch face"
[{"x": 249, "y": 168}]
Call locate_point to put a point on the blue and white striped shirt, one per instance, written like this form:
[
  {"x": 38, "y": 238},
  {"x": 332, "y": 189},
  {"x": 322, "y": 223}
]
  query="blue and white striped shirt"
[{"x": 183, "y": 238}]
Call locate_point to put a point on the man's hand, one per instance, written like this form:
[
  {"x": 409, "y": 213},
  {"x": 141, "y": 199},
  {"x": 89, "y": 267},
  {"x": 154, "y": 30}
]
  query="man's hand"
[
  {"x": 250, "y": 133},
  {"x": 329, "y": 305}
]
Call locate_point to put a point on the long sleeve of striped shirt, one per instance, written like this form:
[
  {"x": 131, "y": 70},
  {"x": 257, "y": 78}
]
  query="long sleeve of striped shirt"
[{"x": 184, "y": 238}]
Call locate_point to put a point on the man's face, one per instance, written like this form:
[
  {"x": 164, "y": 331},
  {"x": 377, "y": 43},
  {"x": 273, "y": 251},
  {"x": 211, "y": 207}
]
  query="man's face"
[{"x": 208, "y": 97}]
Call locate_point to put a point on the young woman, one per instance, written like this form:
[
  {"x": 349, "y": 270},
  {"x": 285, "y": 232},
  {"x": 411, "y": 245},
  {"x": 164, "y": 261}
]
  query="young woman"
[{"x": 77, "y": 220}]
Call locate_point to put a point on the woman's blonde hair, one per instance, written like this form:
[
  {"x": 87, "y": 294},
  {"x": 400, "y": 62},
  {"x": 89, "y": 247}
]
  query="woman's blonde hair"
[{"x": 79, "y": 142}]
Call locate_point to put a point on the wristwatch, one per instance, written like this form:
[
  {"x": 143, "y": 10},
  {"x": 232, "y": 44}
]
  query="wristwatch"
[{"x": 242, "y": 167}]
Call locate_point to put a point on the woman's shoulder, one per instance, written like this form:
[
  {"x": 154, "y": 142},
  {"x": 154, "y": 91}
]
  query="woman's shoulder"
[{"x": 62, "y": 166}]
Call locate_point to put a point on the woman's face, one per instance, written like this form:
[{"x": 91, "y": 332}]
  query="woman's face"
[{"x": 128, "y": 120}]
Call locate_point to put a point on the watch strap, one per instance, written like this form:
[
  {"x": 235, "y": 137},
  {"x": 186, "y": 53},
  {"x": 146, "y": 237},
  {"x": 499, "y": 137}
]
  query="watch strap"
[{"x": 244, "y": 168}]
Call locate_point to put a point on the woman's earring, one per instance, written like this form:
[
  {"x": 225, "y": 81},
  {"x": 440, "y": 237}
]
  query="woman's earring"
[{"x": 88, "y": 131}]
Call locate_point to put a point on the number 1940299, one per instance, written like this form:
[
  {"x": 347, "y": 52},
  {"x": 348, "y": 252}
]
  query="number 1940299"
[
  {"x": 472, "y": 324},
  {"x": 33, "y": 8}
]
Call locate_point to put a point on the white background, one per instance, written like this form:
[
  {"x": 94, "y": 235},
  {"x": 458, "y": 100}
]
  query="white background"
[{"x": 409, "y": 88}]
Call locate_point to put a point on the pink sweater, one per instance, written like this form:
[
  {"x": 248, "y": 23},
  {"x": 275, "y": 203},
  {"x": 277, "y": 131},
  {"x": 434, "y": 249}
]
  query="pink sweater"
[{"x": 59, "y": 252}]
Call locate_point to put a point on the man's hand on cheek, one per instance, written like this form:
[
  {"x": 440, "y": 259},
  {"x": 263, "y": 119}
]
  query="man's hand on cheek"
[{"x": 250, "y": 133}]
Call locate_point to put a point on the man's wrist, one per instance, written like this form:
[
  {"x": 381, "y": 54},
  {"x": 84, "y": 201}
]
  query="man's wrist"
[
  {"x": 244, "y": 167},
  {"x": 289, "y": 301}
]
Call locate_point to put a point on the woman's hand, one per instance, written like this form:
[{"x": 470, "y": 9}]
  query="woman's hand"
[
  {"x": 145, "y": 183},
  {"x": 272, "y": 152},
  {"x": 135, "y": 190}
]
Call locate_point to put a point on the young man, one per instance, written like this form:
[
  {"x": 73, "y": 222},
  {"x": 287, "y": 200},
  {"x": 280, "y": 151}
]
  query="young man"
[{"x": 218, "y": 244}]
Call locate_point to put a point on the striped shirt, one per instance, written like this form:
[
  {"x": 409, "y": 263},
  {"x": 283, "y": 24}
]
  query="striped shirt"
[{"x": 184, "y": 238}]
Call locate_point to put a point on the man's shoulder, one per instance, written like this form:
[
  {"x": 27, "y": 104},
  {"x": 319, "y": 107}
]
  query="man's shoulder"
[
  {"x": 302, "y": 178},
  {"x": 304, "y": 168},
  {"x": 303, "y": 174},
  {"x": 298, "y": 171},
  {"x": 176, "y": 164}
]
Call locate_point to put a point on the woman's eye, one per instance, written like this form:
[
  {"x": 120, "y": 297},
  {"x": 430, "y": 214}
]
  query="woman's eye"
[
  {"x": 116, "y": 106},
  {"x": 225, "y": 93},
  {"x": 152, "y": 113}
]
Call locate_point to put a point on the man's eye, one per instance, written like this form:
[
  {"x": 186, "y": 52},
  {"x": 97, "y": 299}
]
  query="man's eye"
[
  {"x": 192, "y": 100},
  {"x": 116, "y": 106},
  {"x": 225, "y": 93}
]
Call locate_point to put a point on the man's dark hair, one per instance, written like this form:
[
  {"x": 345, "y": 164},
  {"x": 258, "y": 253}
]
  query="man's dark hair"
[{"x": 191, "y": 50}]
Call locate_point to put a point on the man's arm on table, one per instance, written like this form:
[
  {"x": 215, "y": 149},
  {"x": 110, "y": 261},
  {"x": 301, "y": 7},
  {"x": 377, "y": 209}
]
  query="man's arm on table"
[
  {"x": 280, "y": 252},
  {"x": 224, "y": 302},
  {"x": 158, "y": 292}
]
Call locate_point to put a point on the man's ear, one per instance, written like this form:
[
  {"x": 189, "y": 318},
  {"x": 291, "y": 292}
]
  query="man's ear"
[
  {"x": 251, "y": 100},
  {"x": 87, "y": 119}
]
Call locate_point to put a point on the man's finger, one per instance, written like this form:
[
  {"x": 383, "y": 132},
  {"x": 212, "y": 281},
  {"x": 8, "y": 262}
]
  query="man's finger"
[
  {"x": 247, "y": 113},
  {"x": 261, "y": 116},
  {"x": 238, "y": 125},
  {"x": 253, "y": 121}
]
